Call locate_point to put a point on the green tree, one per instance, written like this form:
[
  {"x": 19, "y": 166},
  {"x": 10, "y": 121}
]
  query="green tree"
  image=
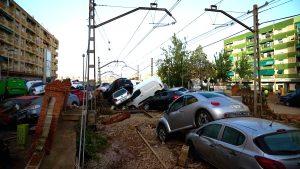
[
  {"x": 222, "y": 66},
  {"x": 243, "y": 67},
  {"x": 174, "y": 68},
  {"x": 200, "y": 67}
]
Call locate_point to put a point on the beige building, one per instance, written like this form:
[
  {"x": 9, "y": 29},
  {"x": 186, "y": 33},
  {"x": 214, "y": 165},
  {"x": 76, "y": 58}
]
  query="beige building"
[{"x": 27, "y": 49}]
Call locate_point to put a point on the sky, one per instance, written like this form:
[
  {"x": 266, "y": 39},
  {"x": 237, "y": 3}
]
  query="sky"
[{"x": 133, "y": 39}]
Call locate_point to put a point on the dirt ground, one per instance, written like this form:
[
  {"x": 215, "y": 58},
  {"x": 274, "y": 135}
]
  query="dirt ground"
[{"x": 127, "y": 150}]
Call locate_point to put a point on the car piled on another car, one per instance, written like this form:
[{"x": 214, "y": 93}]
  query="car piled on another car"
[
  {"x": 116, "y": 85},
  {"x": 198, "y": 108},
  {"x": 145, "y": 90},
  {"x": 248, "y": 143},
  {"x": 161, "y": 100},
  {"x": 121, "y": 97}
]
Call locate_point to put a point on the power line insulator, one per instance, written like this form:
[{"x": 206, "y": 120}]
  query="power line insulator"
[{"x": 153, "y": 5}]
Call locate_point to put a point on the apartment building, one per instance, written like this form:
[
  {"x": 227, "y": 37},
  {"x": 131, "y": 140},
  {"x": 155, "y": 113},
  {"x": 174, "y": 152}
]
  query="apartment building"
[
  {"x": 279, "y": 54},
  {"x": 27, "y": 49}
]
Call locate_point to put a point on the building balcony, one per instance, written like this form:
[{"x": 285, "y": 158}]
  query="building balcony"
[
  {"x": 284, "y": 34},
  {"x": 31, "y": 27},
  {"x": 266, "y": 49},
  {"x": 7, "y": 10},
  {"x": 6, "y": 23},
  {"x": 284, "y": 45},
  {"x": 6, "y": 38}
]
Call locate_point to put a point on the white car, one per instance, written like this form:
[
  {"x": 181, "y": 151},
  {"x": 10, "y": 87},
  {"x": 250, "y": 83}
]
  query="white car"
[
  {"x": 37, "y": 88},
  {"x": 30, "y": 83},
  {"x": 144, "y": 90}
]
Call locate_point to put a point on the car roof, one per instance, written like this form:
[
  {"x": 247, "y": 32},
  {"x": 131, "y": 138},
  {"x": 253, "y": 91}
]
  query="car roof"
[
  {"x": 25, "y": 97},
  {"x": 175, "y": 88},
  {"x": 254, "y": 126}
]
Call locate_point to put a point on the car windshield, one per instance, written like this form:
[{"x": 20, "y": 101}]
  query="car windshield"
[
  {"x": 119, "y": 93},
  {"x": 209, "y": 95},
  {"x": 285, "y": 143}
]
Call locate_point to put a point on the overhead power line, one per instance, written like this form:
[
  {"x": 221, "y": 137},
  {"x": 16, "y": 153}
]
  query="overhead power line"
[
  {"x": 246, "y": 29},
  {"x": 212, "y": 32},
  {"x": 151, "y": 30},
  {"x": 115, "y": 6},
  {"x": 184, "y": 27},
  {"x": 134, "y": 32}
]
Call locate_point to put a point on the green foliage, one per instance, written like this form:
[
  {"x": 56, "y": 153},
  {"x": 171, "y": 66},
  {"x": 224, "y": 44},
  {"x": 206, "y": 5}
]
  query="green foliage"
[
  {"x": 180, "y": 65},
  {"x": 200, "y": 67},
  {"x": 222, "y": 66},
  {"x": 243, "y": 67},
  {"x": 174, "y": 68},
  {"x": 95, "y": 142}
]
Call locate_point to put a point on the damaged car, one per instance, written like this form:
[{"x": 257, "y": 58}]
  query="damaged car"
[{"x": 196, "y": 109}]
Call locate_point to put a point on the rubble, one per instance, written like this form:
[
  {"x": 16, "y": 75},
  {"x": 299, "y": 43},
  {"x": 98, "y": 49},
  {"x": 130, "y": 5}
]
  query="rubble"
[{"x": 127, "y": 149}]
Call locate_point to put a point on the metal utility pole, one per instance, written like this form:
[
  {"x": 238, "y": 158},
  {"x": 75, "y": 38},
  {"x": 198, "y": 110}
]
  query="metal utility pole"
[
  {"x": 99, "y": 71},
  {"x": 256, "y": 56},
  {"x": 256, "y": 59},
  {"x": 151, "y": 66},
  {"x": 91, "y": 53},
  {"x": 83, "y": 56},
  {"x": 138, "y": 72}
]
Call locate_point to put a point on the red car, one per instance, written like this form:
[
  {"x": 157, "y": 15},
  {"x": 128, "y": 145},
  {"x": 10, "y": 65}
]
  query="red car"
[{"x": 79, "y": 94}]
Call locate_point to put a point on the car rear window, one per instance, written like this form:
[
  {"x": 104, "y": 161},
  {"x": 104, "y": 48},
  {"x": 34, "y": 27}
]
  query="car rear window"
[
  {"x": 280, "y": 143},
  {"x": 178, "y": 93},
  {"x": 209, "y": 95}
]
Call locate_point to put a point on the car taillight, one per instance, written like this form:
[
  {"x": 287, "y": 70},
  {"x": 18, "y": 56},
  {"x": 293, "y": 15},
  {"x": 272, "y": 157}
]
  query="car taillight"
[
  {"x": 175, "y": 97},
  {"x": 214, "y": 103},
  {"x": 266, "y": 163}
]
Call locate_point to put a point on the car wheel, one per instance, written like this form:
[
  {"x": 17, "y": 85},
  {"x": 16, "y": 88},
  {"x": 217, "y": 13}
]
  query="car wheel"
[
  {"x": 203, "y": 117},
  {"x": 74, "y": 104},
  {"x": 287, "y": 103},
  {"x": 162, "y": 133},
  {"x": 146, "y": 106}
]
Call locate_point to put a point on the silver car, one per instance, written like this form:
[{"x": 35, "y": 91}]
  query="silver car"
[
  {"x": 120, "y": 96},
  {"x": 197, "y": 108},
  {"x": 246, "y": 143}
]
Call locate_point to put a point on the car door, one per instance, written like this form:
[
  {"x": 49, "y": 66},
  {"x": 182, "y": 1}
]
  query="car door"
[
  {"x": 174, "y": 114},
  {"x": 163, "y": 101},
  {"x": 230, "y": 148},
  {"x": 205, "y": 143},
  {"x": 188, "y": 111}
]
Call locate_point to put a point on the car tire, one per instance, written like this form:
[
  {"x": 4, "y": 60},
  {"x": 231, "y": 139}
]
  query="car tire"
[
  {"x": 192, "y": 151},
  {"x": 146, "y": 106},
  {"x": 162, "y": 133},
  {"x": 287, "y": 103},
  {"x": 202, "y": 117},
  {"x": 74, "y": 104}
]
